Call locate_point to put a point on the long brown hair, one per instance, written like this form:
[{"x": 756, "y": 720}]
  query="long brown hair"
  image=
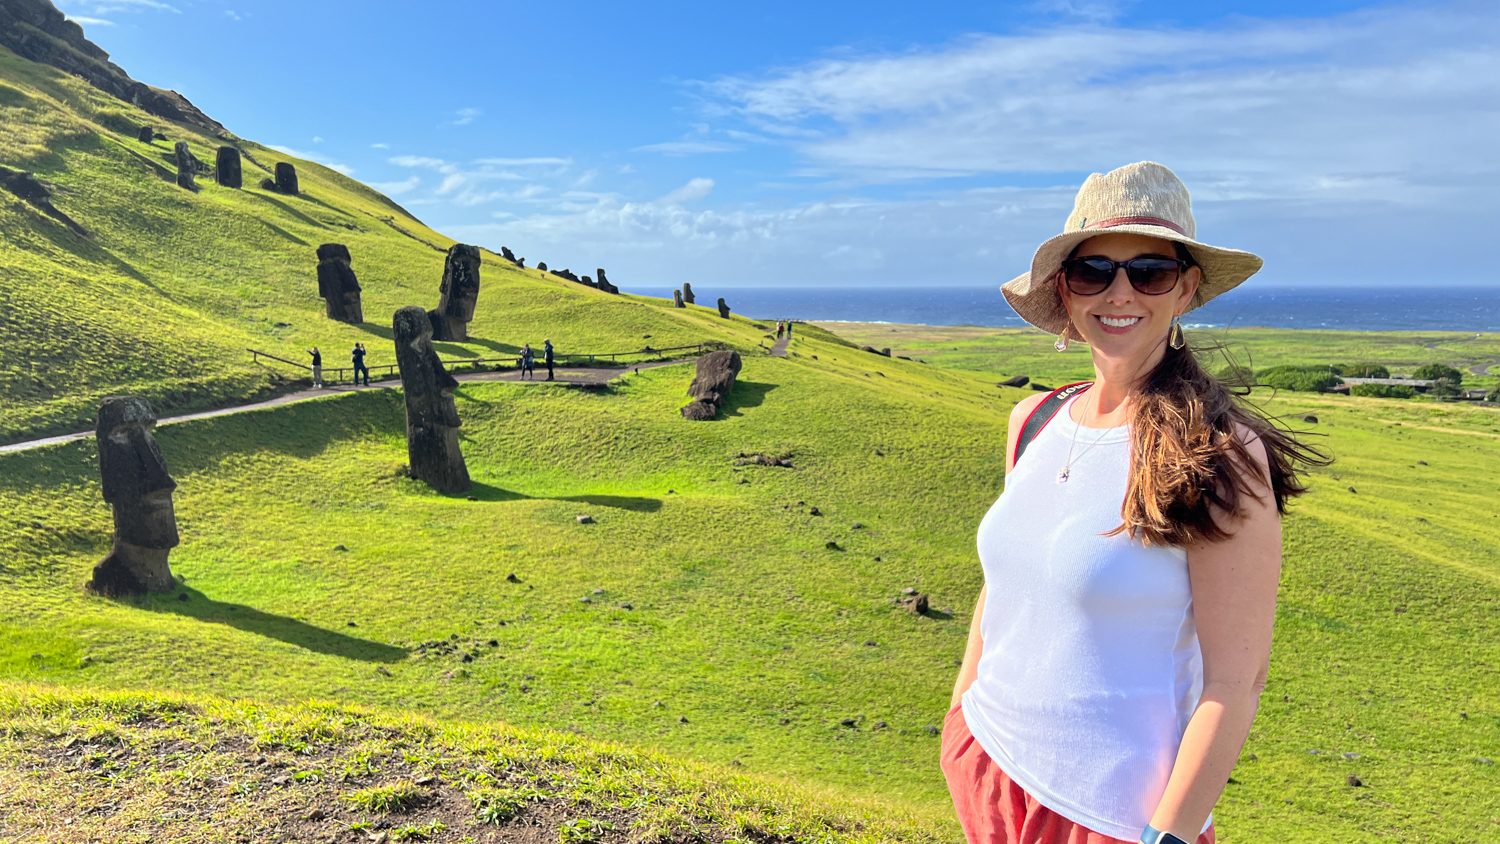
[{"x": 1190, "y": 467}]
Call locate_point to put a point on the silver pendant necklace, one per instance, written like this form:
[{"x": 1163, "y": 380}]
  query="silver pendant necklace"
[{"x": 1067, "y": 470}]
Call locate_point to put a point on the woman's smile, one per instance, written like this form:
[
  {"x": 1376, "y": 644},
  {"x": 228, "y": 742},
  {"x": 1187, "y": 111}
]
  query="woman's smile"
[{"x": 1117, "y": 324}]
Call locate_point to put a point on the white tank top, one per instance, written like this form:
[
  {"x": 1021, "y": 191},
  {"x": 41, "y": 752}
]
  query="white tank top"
[{"x": 1090, "y": 668}]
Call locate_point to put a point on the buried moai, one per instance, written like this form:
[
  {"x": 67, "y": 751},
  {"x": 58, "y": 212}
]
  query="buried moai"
[
  {"x": 687, "y": 293},
  {"x": 431, "y": 416},
  {"x": 286, "y": 178},
  {"x": 677, "y": 299},
  {"x": 144, "y": 134},
  {"x": 187, "y": 166},
  {"x": 711, "y": 384},
  {"x": 603, "y": 282},
  {"x": 460, "y": 293},
  {"x": 338, "y": 285},
  {"x": 723, "y": 308},
  {"x": 227, "y": 168},
  {"x": 139, "y": 490}
]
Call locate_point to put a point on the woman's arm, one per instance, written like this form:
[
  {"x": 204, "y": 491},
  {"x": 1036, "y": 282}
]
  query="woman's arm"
[{"x": 1234, "y": 606}]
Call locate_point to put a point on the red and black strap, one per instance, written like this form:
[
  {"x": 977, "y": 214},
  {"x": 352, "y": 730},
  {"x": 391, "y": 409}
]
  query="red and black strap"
[{"x": 1043, "y": 413}]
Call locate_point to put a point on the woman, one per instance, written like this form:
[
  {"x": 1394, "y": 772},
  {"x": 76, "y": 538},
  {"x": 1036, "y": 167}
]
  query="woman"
[
  {"x": 527, "y": 361},
  {"x": 1120, "y": 644}
]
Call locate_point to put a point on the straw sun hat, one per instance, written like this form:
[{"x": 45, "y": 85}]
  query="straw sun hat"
[{"x": 1141, "y": 198}]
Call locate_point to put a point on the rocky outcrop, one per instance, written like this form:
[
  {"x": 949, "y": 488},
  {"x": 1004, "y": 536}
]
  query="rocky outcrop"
[
  {"x": 710, "y": 388},
  {"x": 138, "y": 487},
  {"x": 460, "y": 294},
  {"x": 338, "y": 285},
  {"x": 677, "y": 299},
  {"x": 723, "y": 308},
  {"x": 432, "y": 419},
  {"x": 687, "y": 293},
  {"x": 603, "y": 282},
  {"x": 36, "y": 30},
  {"x": 187, "y": 167},
  {"x": 286, "y": 178},
  {"x": 227, "y": 170}
]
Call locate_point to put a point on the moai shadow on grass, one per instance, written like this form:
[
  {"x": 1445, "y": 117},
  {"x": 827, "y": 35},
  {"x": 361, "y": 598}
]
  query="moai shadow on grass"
[
  {"x": 139, "y": 489},
  {"x": 460, "y": 293},
  {"x": 432, "y": 419},
  {"x": 227, "y": 170},
  {"x": 687, "y": 293},
  {"x": 714, "y": 379},
  {"x": 338, "y": 285}
]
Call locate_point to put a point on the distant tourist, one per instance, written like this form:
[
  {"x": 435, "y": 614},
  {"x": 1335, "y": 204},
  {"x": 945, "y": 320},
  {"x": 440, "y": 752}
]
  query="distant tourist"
[
  {"x": 359, "y": 364},
  {"x": 788, "y": 329},
  {"x": 780, "y": 327},
  {"x": 317, "y": 367},
  {"x": 528, "y": 362},
  {"x": 547, "y": 356},
  {"x": 1112, "y": 676}
]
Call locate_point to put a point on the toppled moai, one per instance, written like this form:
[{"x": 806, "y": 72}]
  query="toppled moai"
[
  {"x": 286, "y": 178},
  {"x": 723, "y": 308},
  {"x": 687, "y": 293},
  {"x": 511, "y": 256},
  {"x": 227, "y": 168},
  {"x": 144, "y": 134},
  {"x": 338, "y": 285},
  {"x": 587, "y": 282},
  {"x": 432, "y": 419},
  {"x": 139, "y": 489},
  {"x": 187, "y": 166},
  {"x": 565, "y": 273},
  {"x": 711, "y": 385},
  {"x": 26, "y": 186},
  {"x": 604, "y": 282},
  {"x": 460, "y": 293},
  {"x": 677, "y": 299}
]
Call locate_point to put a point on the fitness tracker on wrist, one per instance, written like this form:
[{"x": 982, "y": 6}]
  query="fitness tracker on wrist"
[{"x": 1152, "y": 835}]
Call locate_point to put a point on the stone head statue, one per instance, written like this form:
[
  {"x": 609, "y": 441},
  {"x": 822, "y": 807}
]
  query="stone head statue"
[
  {"x": 460, "y": 293},
  {"x": 431, "y": 416},
  {"x": 139, "y": 490},
  {"x": 338, "y": 285}
]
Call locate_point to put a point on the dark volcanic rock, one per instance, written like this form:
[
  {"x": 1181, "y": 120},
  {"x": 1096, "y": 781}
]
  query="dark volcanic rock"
[
  {"x": 723, "y": 308},
  {"x": 687, "y": 293},
  {"x": 677, "y": 299},
  {"x": 431, "y": 418},
  {"x": 710, "y": 388},
  {"x": 286, "y": 178},
  {"x": 507, "y": 254},
  {"x": 36, "y": 30},
  {"x": 144, "y": 134},
  {"x": 1015, "y": 381},
  {"x": 460, "y": 293},
  {"x": 227, "y": 168},
  {"x": 267, "y": 184},
  {"x": 338, "y": 285},
  {"x": 541, "y": 265},
  {"x": 139, "y": 489},
  {"x": 603, "y": 282},
  {"x": 187, "y": 166}
]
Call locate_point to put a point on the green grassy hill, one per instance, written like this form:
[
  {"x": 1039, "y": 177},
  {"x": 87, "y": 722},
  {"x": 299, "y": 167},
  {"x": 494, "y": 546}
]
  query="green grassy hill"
[{"x": 314, "y": 570}]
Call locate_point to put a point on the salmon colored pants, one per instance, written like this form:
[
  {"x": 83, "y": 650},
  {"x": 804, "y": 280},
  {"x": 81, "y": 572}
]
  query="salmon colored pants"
[{"x": 993, "y": 809}]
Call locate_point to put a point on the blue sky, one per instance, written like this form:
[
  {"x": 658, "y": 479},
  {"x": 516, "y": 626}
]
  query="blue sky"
[{"x": 870, "y": 143}]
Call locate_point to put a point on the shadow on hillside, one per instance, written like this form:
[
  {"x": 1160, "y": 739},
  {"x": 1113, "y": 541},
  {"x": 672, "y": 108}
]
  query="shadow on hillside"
[
  {"x": 333, "y": 643},
  {"x": 284, "y": 233},
  {"x": 287, "y": 208},
  {"x": 488, "y": 492},
  {"x": 303, "y": 430},
  {"x": 745, "y": 394}
]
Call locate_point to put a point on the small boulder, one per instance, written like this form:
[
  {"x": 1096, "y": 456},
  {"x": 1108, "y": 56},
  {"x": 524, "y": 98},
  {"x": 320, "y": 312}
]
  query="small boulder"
[
  {"x": 511, "y": 578},
  {"x": 586, "y": 520},
  {"x": 1308, "y": 417},
  {"x": 1354, "y": 781},
  {"x": 1015, "y": 381}
]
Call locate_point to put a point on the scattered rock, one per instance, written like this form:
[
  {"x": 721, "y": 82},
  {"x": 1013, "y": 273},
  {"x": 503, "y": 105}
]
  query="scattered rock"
[
  {"x": 182, "y": 596},
  {"x": 931, "y": 730},
  {"x": 916, "y": 604},
  {"x": 1354, "y": 781},
  {"x": 878, "y": 725},
  {"x": 814, "y": 512},
  {"x": 1483, "y": 761},
  {"x": 350, "y": 624},
  {"x": 1308, "y": 417},
  {"x": 286, "y": 178},
  {"x": 1351, "y": 755},
  {"x": 585, "y": 520},
  {"x": 627, "y": 606},
  {"x": 338, "y": 285},
  {"x": 1352, "y": 489},
  {"x": 832, "y": 546},
  {"x": 1421, "y": 462},
  {"x": 227, "y": 170},
  {"x": 869, "y": 643},
  {"x": 432, "y": 421},
  {"x": 511, "y": 578},
  {"x": 682, "y": 719},
  {"x": 909, "y": 591},
  {"x": 316, "y": 814},
  {"x": 586, "y": 600},
  {"x": 849, "y": 722},
  {"x": 1015, "y": 381},
  {"x": 783, "y": 462},
  {"x": 856, "y": 526},
  {"x": 340, "y": 547},
  {"x": 381, "y": 669},
  {"x": 714, "y": 379}
]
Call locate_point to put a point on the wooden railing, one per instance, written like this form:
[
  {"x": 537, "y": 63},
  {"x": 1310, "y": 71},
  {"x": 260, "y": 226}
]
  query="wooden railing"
[{"x": 337, "y": 374}]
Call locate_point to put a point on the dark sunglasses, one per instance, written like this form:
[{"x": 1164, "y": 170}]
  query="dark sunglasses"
[{"x": 1152, "y": 275}]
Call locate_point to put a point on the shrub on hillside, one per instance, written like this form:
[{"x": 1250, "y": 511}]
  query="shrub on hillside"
[
  {"x": 1235, "y": 375},
  {"x": 1304, "y": 379},
  {"x": 1445, "y": 388},
  {"x": 1437, "y": 372},
  {"x": 1363, "y": 370},
  {"x": 1383, "y": 391}
]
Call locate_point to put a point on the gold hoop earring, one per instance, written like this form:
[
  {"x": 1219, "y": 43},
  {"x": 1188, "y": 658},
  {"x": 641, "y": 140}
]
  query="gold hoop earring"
[
  {"x": 1062, "y": 342},
  {"x": 1174, "y": 337}
]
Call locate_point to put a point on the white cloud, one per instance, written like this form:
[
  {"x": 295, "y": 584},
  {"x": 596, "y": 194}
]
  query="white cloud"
[
  {"x": 83, "y": 21},
  {"x": 232, "y": 15},
  {"x": 680, "y": 148},
  {"x": 317, "y": 139},
  {"x": 397, "y": 188},
  {"x": 437, "y": 164},
  {"x": 380, "y": 146},
  {"x": 102, "y": 7},
  {"x": 524, "y": 162},
  {"x": 465, "y": 116},
  {"x": 315, "y": 157},
  {"x": 693, "y": 190}
]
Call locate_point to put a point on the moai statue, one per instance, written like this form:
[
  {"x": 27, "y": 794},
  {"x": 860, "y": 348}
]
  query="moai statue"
[
  {"x": 723, "y": 308},
  {"x": 604, "y": 282},
  {"x": 541, "y": 265},
  {"x": 677, "y": 299},
  {"x": 187, "y": 167},
  {"x": 286, "y": 178},
  {"x": 587, "y": 282},
  {"x": 521, "y": 262},
  {"x": 227, "y": 168},
  {"x": 460, "y": 292},
  {"x": 687, "y": 293},
  {"x": 715, "y": 376},
  {"x": 144, "y": 134},
  {"x": 431, "y": 417},
  {"x": 139, "y": 489},
  {"x": 507, "y": 254},
  {"x": 338, "y": 285}
]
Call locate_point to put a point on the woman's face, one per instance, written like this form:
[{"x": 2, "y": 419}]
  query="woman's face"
[{"x": 1121, "y": 322}]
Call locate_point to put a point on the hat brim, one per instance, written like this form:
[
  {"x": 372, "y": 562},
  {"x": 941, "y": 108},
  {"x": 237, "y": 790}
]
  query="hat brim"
[{"x": 1034, "y": 295}]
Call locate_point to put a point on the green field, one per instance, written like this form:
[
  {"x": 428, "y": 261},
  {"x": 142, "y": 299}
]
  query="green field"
[{"x": 748, "y": 638}]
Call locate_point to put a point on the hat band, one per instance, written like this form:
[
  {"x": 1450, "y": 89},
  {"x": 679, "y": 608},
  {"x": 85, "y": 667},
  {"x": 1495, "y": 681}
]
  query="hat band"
[{"x": 1136, "y": 221}]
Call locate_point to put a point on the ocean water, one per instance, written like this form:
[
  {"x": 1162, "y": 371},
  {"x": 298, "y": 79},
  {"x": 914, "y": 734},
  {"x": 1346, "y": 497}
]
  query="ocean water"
[{"x": 1372, "y": 309}]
